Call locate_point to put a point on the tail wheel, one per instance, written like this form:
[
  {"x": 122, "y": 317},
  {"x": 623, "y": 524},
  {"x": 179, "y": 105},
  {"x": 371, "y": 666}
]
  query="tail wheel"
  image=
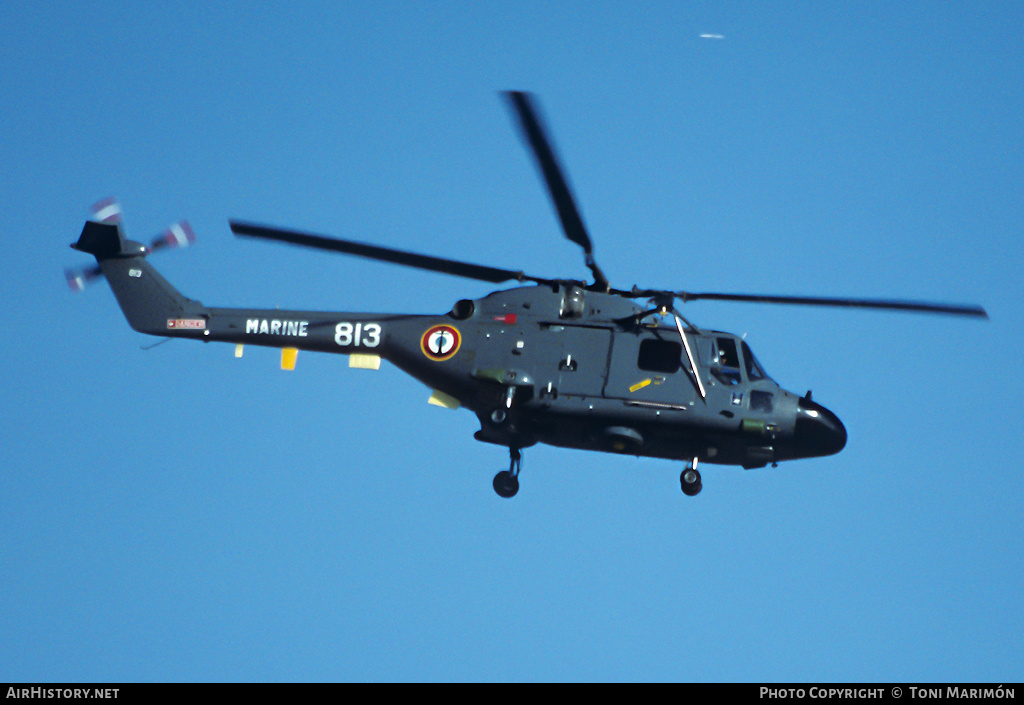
[{"x": 506, "y": 484}]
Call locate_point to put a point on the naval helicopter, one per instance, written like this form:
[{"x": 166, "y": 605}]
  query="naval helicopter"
[{"x": 568, "y": 363}]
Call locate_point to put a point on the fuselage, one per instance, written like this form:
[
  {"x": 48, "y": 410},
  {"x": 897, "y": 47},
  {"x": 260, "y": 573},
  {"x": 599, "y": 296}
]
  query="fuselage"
[{"x": 570, "y": 367}]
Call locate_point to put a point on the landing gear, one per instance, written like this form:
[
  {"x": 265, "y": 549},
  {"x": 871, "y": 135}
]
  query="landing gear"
[
  {"x": 690, "y": 480},
  {"x": 506, "y": 482}
]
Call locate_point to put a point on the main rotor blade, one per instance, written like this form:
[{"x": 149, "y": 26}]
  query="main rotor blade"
[
  {"x": 522, "y": 105},
  {"x": 886, "y": 304},
  {"x": 384, "y": 254}
]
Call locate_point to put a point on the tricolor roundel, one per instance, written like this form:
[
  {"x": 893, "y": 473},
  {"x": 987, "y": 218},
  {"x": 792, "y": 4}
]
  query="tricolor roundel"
[{"x": 441, "y": 342}]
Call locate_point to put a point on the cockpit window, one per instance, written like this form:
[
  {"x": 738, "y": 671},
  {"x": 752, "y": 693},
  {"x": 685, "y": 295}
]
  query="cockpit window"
[
  {"x": 754, "y": 369},
  {"x": 721, "y": 359}
]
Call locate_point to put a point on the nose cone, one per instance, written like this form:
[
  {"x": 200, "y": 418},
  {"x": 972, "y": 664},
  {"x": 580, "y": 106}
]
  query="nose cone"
[{"x": 818, "y": 431}]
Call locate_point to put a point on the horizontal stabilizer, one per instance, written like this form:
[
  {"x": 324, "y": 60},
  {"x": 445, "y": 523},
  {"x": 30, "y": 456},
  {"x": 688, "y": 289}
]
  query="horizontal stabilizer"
[{"x": 103, "y": 241}]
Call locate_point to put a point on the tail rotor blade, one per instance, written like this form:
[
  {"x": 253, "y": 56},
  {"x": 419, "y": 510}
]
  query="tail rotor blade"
[
  {"x": 178, "y": 235},
  {"x": 79, "y": 278},
  {"x": 107, "y": 211}
]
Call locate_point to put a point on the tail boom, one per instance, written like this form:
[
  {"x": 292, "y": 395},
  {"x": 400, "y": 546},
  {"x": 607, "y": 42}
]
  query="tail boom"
[{"x": 153, "y": 306}]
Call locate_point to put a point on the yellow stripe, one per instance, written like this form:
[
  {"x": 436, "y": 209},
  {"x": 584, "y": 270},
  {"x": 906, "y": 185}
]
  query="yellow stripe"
[{"x": 640, "y": 385}]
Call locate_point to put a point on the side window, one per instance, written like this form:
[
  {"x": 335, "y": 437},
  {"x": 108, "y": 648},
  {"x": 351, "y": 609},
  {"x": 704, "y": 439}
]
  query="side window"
[
  {"x": 659, "y": 355},
  {"x": 761, "y": 401}
]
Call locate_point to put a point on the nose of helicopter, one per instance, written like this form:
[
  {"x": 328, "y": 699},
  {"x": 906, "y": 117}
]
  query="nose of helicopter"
[{"x": 818, "y": 431}]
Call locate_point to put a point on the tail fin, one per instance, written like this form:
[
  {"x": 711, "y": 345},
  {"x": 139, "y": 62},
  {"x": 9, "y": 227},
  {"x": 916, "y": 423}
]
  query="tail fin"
[
  {"x": 104, "y": 240},
  {"x": 148, "y": 301}
]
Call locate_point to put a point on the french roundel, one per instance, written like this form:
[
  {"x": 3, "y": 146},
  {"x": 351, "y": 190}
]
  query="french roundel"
[{"x": 440, "y": 342}]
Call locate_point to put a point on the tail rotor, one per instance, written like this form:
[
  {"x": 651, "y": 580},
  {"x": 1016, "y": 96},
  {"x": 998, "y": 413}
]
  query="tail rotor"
[{"x": 108, "y": 211}]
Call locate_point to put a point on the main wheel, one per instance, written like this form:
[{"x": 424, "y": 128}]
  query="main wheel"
[
  {"x": 690, "y": 482},
  {"x": 506, "y": 484}
]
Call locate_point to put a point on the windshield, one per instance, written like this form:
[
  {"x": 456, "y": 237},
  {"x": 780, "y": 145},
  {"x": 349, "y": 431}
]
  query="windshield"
[
  {"x": 754, "y": 369},
  {"x": 721, "y": 355}
]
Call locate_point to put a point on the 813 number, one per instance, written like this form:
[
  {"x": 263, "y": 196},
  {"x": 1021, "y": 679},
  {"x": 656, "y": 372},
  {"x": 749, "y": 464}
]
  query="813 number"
[{"x": 366, "y": 335}]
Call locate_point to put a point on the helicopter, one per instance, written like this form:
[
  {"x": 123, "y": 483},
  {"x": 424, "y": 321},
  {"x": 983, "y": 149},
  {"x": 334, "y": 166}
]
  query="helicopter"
[{"x": 562, "y": 362}]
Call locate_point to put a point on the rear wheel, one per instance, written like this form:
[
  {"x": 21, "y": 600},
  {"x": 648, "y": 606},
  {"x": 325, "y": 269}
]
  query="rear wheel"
[{"x": 506, "y": 484}]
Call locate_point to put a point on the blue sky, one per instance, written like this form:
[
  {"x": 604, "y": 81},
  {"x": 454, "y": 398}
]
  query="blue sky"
[{"x": 179, "y": 514}]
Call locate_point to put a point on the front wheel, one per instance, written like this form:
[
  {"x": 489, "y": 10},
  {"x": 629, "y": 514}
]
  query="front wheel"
[{"x": 690, "y": 482}]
